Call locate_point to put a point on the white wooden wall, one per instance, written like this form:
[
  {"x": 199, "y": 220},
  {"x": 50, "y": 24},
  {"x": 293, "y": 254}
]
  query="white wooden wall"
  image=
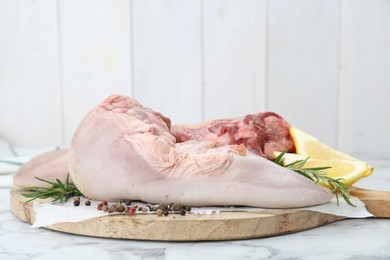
[{"x": 322, "y": 64}]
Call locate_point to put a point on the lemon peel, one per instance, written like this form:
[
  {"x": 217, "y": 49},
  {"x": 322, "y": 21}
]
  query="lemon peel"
[{"x": 348, "y": 171}]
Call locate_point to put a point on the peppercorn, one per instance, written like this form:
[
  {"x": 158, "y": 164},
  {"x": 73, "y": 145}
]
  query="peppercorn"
[
  {"x": 144, "y": 210},
  {"x": 112, "y": 209},
  {"x": 104, "y": 202},
  {"x": 154, "y": 208},
  {"x": 159, "y": 212},
  {"x": 77, "y": 198},
  {"x": 105, "y": 208},
  {"x": 188, "y": 208},
  {"x": 140, "y": 208},
  {"x": 166, "y": 212},
  {"x": 183, "y": 212},
  {"x": 99, "y": 207},
  {"x": 87, "y": 203},
  {"x": 127, "y": 202},
  {"x": 163, "y": 206},
  {"x": 132, "y": 210},
  {"x": 120, "y": 207},
  {"x": 176, "y": 206},
  {"x": 76, "y": 203}
]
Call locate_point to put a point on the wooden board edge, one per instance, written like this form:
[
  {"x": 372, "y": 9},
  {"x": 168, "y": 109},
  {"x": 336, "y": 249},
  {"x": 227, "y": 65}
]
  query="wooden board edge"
[
  {"x": 376, "y": 202},
  {"x": 222, "y": 226}
]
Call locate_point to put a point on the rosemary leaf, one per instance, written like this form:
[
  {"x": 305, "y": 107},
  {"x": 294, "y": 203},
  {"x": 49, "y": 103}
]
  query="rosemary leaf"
[
  {"x": 58, "y": 191},
  {"x": 317, "y": 174}
]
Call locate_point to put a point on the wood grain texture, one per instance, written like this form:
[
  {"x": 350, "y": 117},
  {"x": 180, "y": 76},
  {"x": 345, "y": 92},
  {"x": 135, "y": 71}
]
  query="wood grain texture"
[
  {"x": 303, "y": 53},
  {"x": 30, "y": 101},
  {"x": 376, "y": 202},
  {"x": 167, "y": 65},
  {"x": 95, "y": 56},
  {"x": 234, "y": 55},
  {"x": 365, "y": 77},
  {"x": 222, "y": 226}
]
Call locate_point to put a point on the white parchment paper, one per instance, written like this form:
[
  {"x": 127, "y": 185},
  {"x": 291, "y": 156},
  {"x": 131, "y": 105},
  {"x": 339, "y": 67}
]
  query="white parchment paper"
[{"x": 49, "y": 214}]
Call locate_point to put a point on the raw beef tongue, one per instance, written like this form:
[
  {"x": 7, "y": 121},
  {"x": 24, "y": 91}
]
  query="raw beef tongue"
[
  {"x": 261, "y": 133},
  {"x": 122, "y": 150},
  {"x": 49, "y": 166}
]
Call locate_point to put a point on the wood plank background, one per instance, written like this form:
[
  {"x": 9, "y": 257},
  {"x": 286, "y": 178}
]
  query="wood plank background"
[{"x": 324, "y": 65}]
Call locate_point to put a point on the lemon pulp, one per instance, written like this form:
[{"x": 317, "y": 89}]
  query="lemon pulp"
[{"x": 343, "y": 166}]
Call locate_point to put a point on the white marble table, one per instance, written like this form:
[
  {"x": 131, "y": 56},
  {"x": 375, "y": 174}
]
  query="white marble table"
[{"x": 347, "y": 239}]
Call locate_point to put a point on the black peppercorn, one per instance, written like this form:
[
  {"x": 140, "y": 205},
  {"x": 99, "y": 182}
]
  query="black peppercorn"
[
  {"x": 76, "y": 203},
  {"x": 87, "y": 203},
  {"x": 183, "y": 212},
  {"x": 176, "y": 206},
  {"x": 188, "y": 208},
  {"x": 166, "y": 212},
  {"x": 127, "y": 202}
]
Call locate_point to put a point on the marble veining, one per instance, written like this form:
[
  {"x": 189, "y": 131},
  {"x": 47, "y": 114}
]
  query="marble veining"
[{"x": 348, "y": 239}]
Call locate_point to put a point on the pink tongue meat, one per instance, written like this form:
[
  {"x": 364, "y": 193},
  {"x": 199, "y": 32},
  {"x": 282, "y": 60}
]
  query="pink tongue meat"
[
  {"x": 49, "y": 166},
  {"x": 122, "y": 150},
  {"x": 261, "y": 133}
]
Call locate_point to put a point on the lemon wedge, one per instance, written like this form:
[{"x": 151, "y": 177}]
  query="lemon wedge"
[
  {"x": 343, "y": 166},
  {"x": 306, "y": 144},
  {"x": 349, "y": 171}
]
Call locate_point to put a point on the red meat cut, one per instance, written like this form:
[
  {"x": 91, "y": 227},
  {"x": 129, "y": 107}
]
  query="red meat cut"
[{"x": 261, "y": 133}]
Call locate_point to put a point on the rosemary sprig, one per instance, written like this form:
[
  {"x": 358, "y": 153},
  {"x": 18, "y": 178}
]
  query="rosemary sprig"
[
  {"x": 58, "y": 192},
  {"x": 317, "y": 174}
]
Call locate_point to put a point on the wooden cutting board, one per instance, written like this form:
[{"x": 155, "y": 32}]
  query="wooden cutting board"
[{"x": 193, "y": 227}]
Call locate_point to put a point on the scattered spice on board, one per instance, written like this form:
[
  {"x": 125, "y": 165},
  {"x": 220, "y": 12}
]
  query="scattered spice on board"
[
  {"x": 176, "y": 206},
  {"x": 124, "y": 206},
  {"x": 159, "y": 212},
  {"x": 132, "y": 210},
  {"x": 76, "y": 201},
  {"x": 112, "y": 209}
]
